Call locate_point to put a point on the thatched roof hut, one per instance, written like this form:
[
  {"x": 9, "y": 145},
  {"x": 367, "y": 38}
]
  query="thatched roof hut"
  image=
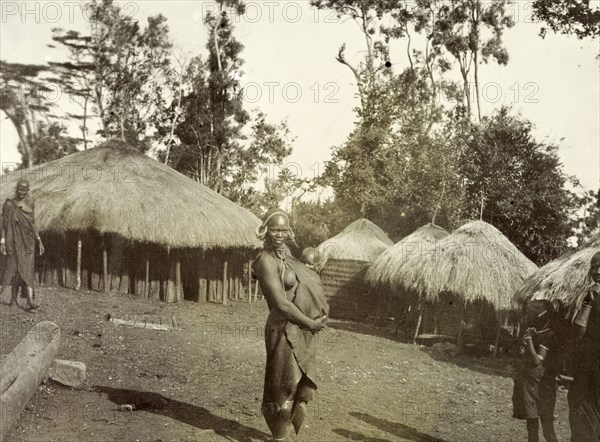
[
  {"x": 476, "y": 262},
  {"x": 383, "y": 272},
  {"x": 115, "y": 199},
  {"x": 467, "y": 278},
  {"x": 114, "y": 188},
  {"x": 361, "y": 240},
  {"x": 344, "y": 260},
  {"x": 564, "y": 280}
]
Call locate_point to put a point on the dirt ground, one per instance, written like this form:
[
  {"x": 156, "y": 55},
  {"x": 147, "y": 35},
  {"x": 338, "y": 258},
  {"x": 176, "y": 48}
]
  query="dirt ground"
[{"x": 203, "y": 382}]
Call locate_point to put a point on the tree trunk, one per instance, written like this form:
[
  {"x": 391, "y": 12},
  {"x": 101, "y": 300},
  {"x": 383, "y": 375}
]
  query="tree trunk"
[{"x": 24, "y": 369}]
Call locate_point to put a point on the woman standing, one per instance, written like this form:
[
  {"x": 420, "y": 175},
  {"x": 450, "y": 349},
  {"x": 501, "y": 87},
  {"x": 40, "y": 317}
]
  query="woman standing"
[
  {"x": 297, "y": 310},
  {"x": 18, "y": 235},
  {"x": 584, "y": 392}
]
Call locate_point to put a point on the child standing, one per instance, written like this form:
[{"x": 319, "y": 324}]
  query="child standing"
[{"x": 534, "y": 393}]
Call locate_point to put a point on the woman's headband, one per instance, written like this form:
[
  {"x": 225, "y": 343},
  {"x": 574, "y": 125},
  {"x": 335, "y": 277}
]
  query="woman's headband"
[{"x": 262, "y": 229}]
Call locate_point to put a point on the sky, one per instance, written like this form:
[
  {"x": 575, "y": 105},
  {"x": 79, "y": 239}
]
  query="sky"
[{"x": 291, "y": 74}]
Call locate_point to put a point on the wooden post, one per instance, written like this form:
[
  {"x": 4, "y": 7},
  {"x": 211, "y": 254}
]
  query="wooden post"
[
  {"x": 171, "y": 290},
  {"x": 225, "y": 294},
  {"x": 78, "y": 269},
  {"x": 202, "y": 289},
  {"x": 105, "y": 268},
  {"x": 461, "y": 324},
  {"x": 421, "y": 308},
  {"x": 147, "y": 282},
  {"x": 497, "y": 336},
  {"x": 249, "y": 281},
  {"x": 178, "y": 287}
]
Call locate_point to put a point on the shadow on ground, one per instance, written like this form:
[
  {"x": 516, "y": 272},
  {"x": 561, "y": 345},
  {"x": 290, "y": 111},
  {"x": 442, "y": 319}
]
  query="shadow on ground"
[
  {"x": 502, "y": 365},
  {"x": 394, "y": 428},
  {"x": 183, "y": 412},
  {"x": 366, "y": 329}
]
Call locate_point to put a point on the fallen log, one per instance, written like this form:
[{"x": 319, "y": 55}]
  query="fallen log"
[{"x": 23, "y": 370}]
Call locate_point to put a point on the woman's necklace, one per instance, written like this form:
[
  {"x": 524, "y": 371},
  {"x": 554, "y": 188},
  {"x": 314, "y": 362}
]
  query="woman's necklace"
[{"x": 281, "y": 255}]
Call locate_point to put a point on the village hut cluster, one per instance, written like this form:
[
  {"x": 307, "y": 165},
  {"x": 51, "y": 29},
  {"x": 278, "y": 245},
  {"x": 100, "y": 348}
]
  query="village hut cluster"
[
  {"x": 457, "y": 286},
  {"x": 113, "y": 218}
]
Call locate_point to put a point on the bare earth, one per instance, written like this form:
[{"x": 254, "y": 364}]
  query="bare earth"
[{"x": 203, "y": 382}]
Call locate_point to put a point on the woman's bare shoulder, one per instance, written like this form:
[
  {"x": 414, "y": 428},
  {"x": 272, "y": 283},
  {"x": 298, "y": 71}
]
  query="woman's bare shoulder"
[{"x": 264, "y": 262}]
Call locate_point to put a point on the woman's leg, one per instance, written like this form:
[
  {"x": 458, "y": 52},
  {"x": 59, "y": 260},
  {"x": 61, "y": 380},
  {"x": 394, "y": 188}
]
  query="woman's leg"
[
  {"x": 533, "y": 427},
  {"x": 14, "y": 292},
  {"x": 548, "y": 428},
  {"x": 30, "y": 298},
  {"x": 304, "y": 394},
  {"x": 278, "y": 418}
]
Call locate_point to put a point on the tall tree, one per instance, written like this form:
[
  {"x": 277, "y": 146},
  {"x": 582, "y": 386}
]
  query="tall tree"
[
  {"x": 518, "y": 185},
  {"x": 75, "y": 75},
  {"x": 471, "y": 31},
  {"x": 23, "y": 100},
  {"x": 578, "y": 17},
  {"x": 124, "y": 66},
  {"x": 587, "y": 220}
]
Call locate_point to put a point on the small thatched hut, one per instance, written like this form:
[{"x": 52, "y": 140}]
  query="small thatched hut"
[
  {"x": 345, "y": 258},
  {"x": 112, "y": 218},
  {"x": 564, "y": 281},
  {"x": 475, "y": 267}
]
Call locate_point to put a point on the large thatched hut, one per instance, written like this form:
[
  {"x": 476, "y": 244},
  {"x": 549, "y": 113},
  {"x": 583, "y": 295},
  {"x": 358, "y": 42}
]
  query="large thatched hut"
[
  {"x": 383, "y": 278},
  {"x": 471, "y": 276},
  {"x": 382, "y": 273},
  {"x": 113, "y": 218},
  {"x": 563, "y": 281},
  {"x": 345, "y": 258}
]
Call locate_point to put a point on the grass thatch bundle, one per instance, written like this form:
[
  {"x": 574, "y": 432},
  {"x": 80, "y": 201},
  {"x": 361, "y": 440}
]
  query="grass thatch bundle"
[
  {"x": 383, "y": 272},
  {"x": 564, "y": 280},
  {"x": 116, "y": 189},
  {"x": 476, "y": 262},
  {"x": 362, "y": 240}
]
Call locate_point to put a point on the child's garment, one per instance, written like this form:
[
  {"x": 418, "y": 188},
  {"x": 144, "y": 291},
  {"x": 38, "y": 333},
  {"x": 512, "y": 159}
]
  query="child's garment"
[{"x": 534, "y": 392}]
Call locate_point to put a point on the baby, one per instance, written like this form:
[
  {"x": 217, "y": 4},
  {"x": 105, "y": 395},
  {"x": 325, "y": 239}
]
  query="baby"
[{"x": 310, "y": 257}]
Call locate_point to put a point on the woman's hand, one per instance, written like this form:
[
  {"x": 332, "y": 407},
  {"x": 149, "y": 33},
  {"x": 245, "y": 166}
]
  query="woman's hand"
[
  {"x": 3, "y": 248},
  {"x": 319, "y": 324},
  {"x": 41, "y": 247}
]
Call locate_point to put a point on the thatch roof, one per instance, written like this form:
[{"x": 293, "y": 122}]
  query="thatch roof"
[
  {"x": 362, "y": 240},
  {"x": 563, "y": 280},
  {"x": 383, "y": 271},
  {"x": 116, "y": 189},
  {"x": 476, "y": 262}
]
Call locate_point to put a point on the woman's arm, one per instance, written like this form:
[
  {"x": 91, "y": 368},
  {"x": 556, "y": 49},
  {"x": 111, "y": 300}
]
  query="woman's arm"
[
  {"x": 35, "y": 230},
  {"x": 270, "y": 284}
]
